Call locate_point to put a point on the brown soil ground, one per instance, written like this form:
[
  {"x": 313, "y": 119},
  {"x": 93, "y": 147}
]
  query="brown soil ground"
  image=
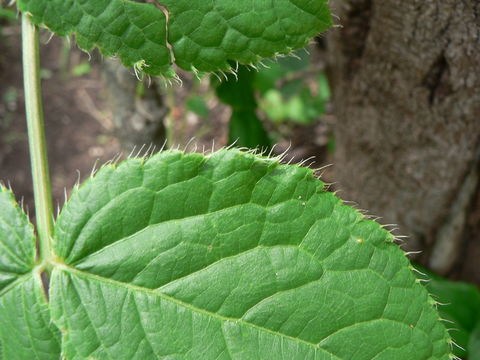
[{"x": 73, "y": 108}]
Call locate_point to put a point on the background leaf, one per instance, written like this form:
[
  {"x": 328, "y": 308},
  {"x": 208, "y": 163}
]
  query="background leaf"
[
  {"x": 474, "y": 343},
  {"x": 245, "y": 128},
  {"x": 461, "y": 306},
  {"x": 231, "y": 256},
  {"x": 197, "y": 105}
]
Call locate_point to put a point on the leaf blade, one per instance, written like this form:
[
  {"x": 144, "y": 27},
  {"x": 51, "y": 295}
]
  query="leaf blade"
[
  {"x": 26, "y": 331},
  {"x": 206, "y": 35},
  {"x": 236, "y": 242},
  {"x": 17, "y": 241},
  {"x": 134, "y": 32},
  {"x": 199, "y": 35}
]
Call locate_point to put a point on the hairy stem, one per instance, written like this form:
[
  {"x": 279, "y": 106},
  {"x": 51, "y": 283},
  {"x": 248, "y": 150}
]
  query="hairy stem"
[{"x": 36, "y": 137}]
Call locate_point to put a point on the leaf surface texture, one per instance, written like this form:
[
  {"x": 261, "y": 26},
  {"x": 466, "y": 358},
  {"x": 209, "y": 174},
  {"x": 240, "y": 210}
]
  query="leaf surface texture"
[
  {"x": 197, "y": 35},
  {"x": 26, "y": 331}
]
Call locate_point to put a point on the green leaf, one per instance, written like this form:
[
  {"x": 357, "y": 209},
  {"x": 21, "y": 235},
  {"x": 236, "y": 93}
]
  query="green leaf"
[
  {"x": 237, "y": 91},
  {"x": 197, "y": 105},
  {"x": 273, "y": 105},
  {"x": 473, "y": 347},
  {"x": 206, "y": 35},
  {"x": 26, "y": 331},
  {"x": 245, "y": 128},
  {"x": 199, "y": 35},
  {"x": 287, "y": 93},
  {"x": 281, "y": 69},
  {"x": 134, "y": 32},
  {"x": 461, "y": 306},
  {"x": 231, "y": 256},
  {"x": 8, "y": 14},
  {"x": 81, "y": 69},
  {"x": 17, "y": 241}
]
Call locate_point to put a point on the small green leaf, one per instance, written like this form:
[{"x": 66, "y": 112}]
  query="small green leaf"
[
  {"x": 81, "y": 69},
  {"x": 231, "y": 256},
  {"x": 238, "y": 92},
  {"x": 287, "y": 92},
  {"x": 8, "y": 14},
  {"x": 473, "y": 347},
  {"x": 26, "y": 331},
  {"x": 197, "y": 105},
  {"x": 199, "y": 35},
  {"x": 245, "y": 128}
]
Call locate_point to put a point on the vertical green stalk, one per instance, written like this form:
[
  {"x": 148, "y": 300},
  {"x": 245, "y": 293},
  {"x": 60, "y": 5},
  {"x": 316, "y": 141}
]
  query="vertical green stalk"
[{"x": 36, "y": 137}]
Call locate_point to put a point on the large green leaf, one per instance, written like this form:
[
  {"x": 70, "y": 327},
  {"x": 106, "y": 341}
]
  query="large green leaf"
[
  {"x": 231, "y": 256},
  {"x": 197, "y": 34},
  {"x": 26, "y": 331}
]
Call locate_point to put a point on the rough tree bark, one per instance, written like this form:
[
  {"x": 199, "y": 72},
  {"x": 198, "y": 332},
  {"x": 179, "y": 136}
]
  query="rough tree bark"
[{"x": 406, "y": 79}]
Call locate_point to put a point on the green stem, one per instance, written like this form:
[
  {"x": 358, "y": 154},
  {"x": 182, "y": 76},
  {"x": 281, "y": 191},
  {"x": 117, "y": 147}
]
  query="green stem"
[{"x": 36, "y": 137}]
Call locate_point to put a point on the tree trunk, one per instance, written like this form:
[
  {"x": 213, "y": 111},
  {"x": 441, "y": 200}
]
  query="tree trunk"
[
  {"x": 138, "y": 111},
  {"x": 406, "y": 79}
]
